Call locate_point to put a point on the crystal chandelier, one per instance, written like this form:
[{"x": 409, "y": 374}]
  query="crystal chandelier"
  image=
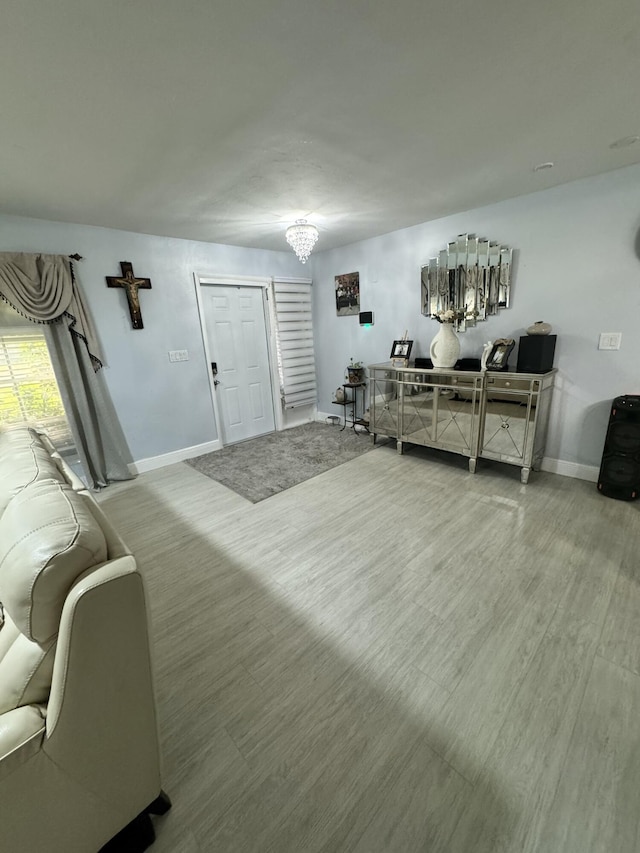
[{"x": 302, "y": 238}]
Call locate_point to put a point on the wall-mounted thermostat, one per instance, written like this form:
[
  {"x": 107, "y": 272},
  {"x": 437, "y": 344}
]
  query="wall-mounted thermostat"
[{"x": 366, "y": 318}]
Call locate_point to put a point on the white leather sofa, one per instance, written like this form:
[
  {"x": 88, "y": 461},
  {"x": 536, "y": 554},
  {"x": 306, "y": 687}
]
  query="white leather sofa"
[{"x": 79, "y": 757}]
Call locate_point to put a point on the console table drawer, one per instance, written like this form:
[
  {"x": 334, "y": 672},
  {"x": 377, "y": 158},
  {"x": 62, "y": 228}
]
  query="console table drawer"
[{"x": 511, "y": 383}]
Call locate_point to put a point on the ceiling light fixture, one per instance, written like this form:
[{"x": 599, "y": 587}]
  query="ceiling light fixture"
[
  {"x": 302, "y": 237},
  {"x": 542, "y": 166},
  {"x": 625, "y": 142}
]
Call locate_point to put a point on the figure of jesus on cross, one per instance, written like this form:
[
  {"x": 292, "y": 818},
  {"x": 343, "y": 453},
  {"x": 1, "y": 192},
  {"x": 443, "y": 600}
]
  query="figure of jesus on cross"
[{"x": 131, "y": 284}]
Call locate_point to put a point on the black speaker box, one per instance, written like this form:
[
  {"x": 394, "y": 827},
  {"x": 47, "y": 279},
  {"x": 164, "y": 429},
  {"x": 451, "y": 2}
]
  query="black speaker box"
[
  {"x": 468, "y": 364},
  {"x": 535, "y": 353},
  {"x": 619, "y": 475},
  {"x": 461, "y": 364}
]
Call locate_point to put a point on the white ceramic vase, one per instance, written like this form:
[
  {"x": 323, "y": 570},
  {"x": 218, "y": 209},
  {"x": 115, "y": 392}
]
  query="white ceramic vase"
[{"x": 445, "y": 347}]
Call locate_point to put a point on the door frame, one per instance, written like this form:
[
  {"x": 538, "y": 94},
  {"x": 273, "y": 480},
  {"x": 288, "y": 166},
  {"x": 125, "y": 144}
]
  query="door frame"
[{"x": 201, "y": 281}]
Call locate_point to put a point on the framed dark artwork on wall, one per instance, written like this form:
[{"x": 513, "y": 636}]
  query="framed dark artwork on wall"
[{"x": 348, "y": 294}]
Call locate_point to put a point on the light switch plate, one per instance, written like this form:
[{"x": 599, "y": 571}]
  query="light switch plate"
[
  {"x": 610, "y": 340},
  {"x": 178, "y": 355}
]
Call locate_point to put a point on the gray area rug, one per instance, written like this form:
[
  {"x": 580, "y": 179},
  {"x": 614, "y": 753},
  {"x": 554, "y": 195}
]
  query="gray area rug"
[{"x": 264, "y": 466}]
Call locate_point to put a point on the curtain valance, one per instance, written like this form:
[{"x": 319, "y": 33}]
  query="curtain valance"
[{"x": 43, "y": 289}]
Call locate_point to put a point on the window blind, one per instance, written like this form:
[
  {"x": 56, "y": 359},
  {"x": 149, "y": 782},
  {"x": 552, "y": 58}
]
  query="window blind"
[
  {"x": 294, "y": 342},
  {"x": 28, "y": 388}
]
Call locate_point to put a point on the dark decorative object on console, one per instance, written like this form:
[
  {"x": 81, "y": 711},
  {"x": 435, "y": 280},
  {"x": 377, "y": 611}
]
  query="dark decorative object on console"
[
  {"x": 461, "y": 364},
  {"x": 535, "y": 353},
  {"x": 619, "y": 475},
  {"x": 468, "y": 364}
]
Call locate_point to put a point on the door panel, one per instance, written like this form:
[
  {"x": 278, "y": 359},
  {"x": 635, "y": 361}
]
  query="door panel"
[
  {"x": 220, "y": 301},
  {"x": 237, "y": 335},
  {"x": 257, "y": 403},
  {"x": 250, "y": 336},
  {"x": 232, "y": 405}
]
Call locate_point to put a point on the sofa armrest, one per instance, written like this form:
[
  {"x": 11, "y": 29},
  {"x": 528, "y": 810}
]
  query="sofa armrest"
[
  {"x": 21, "y": 734},
  {"x": 101, "y": 726}
]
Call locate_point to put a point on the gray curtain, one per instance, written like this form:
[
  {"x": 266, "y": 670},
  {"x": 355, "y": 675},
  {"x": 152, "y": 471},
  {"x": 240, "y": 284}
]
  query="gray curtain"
[{"x": 43, "y": 289}]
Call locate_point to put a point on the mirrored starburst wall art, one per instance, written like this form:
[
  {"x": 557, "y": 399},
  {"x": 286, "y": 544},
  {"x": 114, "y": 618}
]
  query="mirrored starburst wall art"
[{"x": 472, "y": 276}]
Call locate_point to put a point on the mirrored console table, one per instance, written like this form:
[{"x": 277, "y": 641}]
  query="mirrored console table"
[{"x": 494, "y": 415}]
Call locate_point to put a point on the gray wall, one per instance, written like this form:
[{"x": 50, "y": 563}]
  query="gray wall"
[
  {"x": 163, "y": 406},
  {"x": 577, "y": 267}
]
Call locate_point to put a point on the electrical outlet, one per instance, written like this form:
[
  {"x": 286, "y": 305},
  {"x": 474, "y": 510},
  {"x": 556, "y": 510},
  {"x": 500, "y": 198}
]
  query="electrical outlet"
[
  {"x": 610, "y": 340},
  {"x": 178, "y": 355}
]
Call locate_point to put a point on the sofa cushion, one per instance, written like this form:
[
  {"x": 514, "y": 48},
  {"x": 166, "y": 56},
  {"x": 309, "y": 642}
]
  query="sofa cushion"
[
  {"x": 12, "y": 435},
  {"x": 17, "y": 437},
  {"x": 48, "y": 538},
  {"x": 23, "y": 460}
]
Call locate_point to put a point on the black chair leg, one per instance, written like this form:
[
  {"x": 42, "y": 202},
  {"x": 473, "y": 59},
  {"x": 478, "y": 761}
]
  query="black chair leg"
[
  {"x": 136, "y": 837},
  {"x": 160, "y": 805}
]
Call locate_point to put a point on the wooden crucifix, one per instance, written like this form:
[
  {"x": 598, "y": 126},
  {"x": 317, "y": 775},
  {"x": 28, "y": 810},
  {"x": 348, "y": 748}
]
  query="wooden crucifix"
[{"x": 131, "y": 285}]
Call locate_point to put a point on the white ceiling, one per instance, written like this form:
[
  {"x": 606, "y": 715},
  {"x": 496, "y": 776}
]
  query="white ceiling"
[{"x": 224, "y": 121}]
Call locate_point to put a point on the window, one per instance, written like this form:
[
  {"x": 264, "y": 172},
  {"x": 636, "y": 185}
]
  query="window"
[{"x": 28, "y": 388}]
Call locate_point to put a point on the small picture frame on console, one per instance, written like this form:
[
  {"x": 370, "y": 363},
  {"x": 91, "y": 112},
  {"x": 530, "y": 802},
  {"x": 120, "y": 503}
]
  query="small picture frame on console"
[
  {"x": 400, "y": 352},
  {"x": 499, "y": 355}
]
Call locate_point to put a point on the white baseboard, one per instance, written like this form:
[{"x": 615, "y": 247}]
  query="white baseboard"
[
  {"x": 153, "y": 462},
  {"x": 553, "y": 466},
  {"x": 571, "y": 469}
]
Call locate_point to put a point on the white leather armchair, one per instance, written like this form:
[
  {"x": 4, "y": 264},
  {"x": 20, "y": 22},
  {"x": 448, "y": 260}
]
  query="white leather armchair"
[{"x": 79, "y": 757}]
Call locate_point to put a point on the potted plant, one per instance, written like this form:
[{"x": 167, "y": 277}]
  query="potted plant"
[{"x": 355, "y": 372}]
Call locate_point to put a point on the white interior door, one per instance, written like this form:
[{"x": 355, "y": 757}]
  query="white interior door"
[{"x": 237, "y": 339}]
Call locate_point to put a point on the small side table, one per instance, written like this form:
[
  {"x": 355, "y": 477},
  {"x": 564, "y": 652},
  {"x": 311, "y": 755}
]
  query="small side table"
[{"x": 350, "y": 404}]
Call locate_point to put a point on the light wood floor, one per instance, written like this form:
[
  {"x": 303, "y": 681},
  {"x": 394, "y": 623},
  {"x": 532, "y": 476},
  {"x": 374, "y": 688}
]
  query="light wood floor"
[{"x": 395, "y": 656}]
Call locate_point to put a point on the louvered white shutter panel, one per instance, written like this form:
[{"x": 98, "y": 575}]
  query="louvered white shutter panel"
[{"x": 294, "y": 340}]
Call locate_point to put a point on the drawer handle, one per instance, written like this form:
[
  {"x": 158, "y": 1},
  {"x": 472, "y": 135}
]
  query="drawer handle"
[{"x": 504, "y": 426}]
